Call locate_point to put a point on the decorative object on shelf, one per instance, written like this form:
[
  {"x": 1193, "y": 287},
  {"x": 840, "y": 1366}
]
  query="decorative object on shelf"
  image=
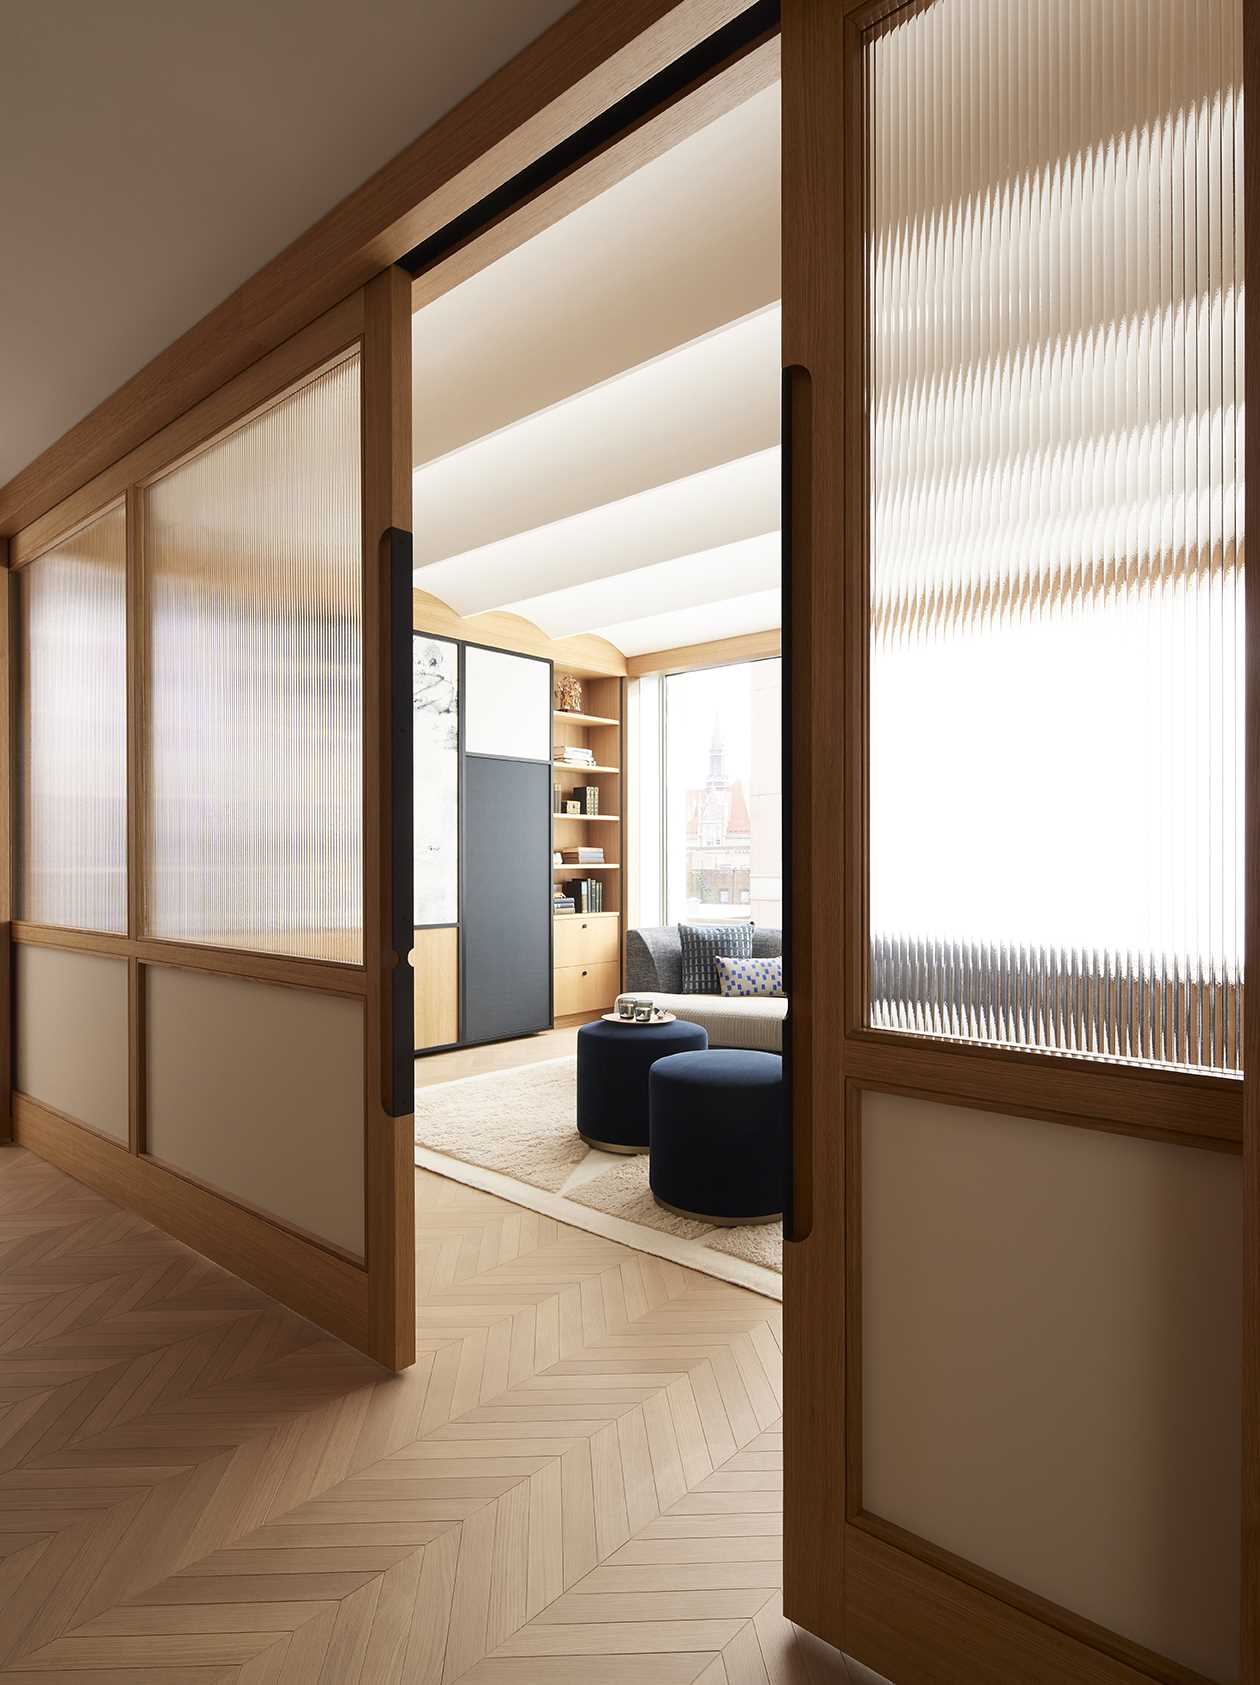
[
  {"x": 557, "y": 800},
  {"x": 573, "y": 807},
  {"x": 569, "y": 694},
  {"x": 557, "y": 859}
]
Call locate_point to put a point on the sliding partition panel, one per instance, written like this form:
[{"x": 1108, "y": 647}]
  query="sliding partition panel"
[
  {"x": 1013, "y": 316},
  {"x": 208, "y": 847}
]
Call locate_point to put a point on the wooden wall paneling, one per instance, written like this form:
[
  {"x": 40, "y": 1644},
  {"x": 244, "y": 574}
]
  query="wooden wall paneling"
[
  {"x": 814, "y": 224},
  {"x": 386, "y": 503},
  {"x": 1251, "y": 999},
  {"x": 748, "y": 646},
  {"x": 582, "y": 64}
]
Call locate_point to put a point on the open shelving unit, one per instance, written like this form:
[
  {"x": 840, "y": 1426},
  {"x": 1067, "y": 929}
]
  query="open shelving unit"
[{"x": 587, "y": 946}]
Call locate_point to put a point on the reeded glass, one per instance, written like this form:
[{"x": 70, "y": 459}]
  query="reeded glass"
[
  {"x": 72, "y": 731},
  {"x": 253, "y": 555},
  {"x": 1055, "y": 331}
]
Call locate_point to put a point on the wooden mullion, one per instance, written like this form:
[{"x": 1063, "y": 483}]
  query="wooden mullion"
[{"x": 326, "y": 976}]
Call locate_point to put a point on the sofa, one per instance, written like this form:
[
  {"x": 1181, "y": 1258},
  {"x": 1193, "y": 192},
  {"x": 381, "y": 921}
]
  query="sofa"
[{"x": 654, "y": 972}]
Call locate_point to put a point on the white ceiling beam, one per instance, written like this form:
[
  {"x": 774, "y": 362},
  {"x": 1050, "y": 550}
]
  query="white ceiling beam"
[
  {"x": 760, "y": 612},
  {"x": 712, "y": 576},
  {"x": 707, "y": 404},
  {"x": 737, "y": 500},
  {"x": 684, "y": 245}
]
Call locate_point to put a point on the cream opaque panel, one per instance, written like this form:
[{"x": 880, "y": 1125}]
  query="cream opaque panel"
[
  {"x": 1056, "y": 296},
  {"x": 1051, "y": 1355},
  {"x": 71, "y": 803},
  {"x": 256, "y": 1090},
  {"x": 70, "y": 1035},
  {"x": 253, "y": 555},
  {"x": 507, "y": 705}
]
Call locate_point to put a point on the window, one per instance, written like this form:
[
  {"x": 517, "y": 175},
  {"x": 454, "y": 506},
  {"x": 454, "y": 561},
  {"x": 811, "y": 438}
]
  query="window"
[{"x": 722, "y": 793}]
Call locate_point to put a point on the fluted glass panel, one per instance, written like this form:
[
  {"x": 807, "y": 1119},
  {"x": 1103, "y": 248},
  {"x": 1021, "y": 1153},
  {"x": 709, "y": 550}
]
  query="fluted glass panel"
[
  {"x": 72, "y": 731},
  {"x": 1055, "y": 295},
  {"x": 253, "y": 564}
]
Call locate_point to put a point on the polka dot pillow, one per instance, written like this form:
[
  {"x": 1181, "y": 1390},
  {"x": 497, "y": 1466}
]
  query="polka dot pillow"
[{"x": 750, "y": 977}]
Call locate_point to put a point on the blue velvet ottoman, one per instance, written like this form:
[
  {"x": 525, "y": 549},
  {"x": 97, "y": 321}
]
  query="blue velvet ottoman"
[
  {"x": 717, "y": 1135},
  {"x": 613, "y": 1061}
]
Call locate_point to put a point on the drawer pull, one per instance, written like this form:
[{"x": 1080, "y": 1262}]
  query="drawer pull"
[{"x": 586, "y": 974}]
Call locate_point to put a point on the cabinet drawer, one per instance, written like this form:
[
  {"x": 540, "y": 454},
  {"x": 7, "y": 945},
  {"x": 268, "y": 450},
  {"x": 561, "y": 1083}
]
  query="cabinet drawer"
[
  {"x": 585, "y": 988},
  {"x": 586, "y": 941}
]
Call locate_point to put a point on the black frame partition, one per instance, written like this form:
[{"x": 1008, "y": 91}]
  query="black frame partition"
[{"x": 500, "y": 995}]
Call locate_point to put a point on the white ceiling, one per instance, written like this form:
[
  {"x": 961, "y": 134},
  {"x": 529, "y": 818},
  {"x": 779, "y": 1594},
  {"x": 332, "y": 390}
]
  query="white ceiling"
[
  {"x": 597, "y": 413},
  {"x": 156, "y": 154}
]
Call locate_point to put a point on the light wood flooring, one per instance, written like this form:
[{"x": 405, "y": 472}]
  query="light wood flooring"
[
  {"x": 577, "y": 1484},
  {"x": 496, "y": 1056}
]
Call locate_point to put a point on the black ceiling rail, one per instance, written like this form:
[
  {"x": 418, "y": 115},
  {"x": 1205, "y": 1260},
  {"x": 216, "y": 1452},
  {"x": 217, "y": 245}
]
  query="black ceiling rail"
[{"x": 759, "y": 21}]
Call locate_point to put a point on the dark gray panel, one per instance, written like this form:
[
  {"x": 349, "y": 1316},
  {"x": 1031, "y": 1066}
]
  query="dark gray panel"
[{"x": 506, "y": 957}]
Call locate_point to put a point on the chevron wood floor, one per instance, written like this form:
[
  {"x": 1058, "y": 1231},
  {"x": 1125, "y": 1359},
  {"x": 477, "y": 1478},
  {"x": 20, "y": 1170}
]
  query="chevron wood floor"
[{"x": 579, "y": 1481}]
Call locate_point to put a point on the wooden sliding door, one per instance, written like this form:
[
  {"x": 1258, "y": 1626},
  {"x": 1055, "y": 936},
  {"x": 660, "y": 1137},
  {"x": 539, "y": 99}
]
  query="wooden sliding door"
[
  {"x": 1021, "y": 1382},
  {"x": 212, "y": 835}
]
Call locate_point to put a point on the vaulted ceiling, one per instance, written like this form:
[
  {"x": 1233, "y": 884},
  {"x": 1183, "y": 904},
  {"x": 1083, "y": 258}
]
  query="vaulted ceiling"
[{"x": 597, "y": 413}]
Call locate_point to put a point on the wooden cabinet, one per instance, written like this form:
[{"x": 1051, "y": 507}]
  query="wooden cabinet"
[
  {"x": 587, "y": 939},
  {"x": 586, "y": 988}
]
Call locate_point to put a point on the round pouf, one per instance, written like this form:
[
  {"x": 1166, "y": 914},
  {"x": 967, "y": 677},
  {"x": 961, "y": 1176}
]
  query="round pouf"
[
  {"x": 716, "y": 1133},
  {"x": 613, "y": 1061}
]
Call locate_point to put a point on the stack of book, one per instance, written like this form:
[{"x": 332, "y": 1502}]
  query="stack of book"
[
  {"x": 572, "y": 755},
  {"x": 562, "y": 903},
  {"x": 587, "y": 894},
  {"x": 582, "y": 856}
]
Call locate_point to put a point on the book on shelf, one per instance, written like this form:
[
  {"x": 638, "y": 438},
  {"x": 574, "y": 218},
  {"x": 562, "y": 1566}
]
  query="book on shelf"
[
  {"x": 587, "y": 894},
  {"x": 582, "y": 856},
  {"x": 572, "y": 755},
  {"x": 589, "y": 793},
  {"x": 563, "y": 904}
]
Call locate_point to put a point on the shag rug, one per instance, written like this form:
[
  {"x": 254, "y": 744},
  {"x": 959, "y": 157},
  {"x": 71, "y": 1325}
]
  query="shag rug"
[{"x": 521, "y": 1123}]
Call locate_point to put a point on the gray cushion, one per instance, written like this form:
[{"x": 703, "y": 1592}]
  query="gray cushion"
[
  {"x": 654, "y": 956},
  {"x": 701, "y": 944}
]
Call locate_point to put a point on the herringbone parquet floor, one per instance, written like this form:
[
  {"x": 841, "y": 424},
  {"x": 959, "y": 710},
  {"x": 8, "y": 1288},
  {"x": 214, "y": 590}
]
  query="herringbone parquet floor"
[{"x": 577, "y": 1484}]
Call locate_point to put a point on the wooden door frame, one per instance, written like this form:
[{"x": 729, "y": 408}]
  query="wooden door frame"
[
  {"x": 904, "y": 1599},
  {"x": 370, "y": 1302}
]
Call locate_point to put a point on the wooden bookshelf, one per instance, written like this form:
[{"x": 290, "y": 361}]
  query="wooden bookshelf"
[{"x": 588, "y": 946}]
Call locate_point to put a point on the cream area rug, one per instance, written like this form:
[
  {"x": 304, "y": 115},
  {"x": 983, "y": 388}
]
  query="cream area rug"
[
  {"x": 513, "y": 1121},
  {"x": 517, "y": 1128}
]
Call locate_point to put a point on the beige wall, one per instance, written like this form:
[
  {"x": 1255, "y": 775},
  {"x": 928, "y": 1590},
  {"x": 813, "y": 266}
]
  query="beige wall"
[
  {"x": 1051, "y": 1336},
  {"x": 70, "y": 1047},
  {"x": 257, "y": 1090}
]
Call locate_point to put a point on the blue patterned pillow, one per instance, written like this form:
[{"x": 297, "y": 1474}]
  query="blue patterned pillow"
[
  {"x": 701, "y": 945},
  {"x": 750, "y": 977}
]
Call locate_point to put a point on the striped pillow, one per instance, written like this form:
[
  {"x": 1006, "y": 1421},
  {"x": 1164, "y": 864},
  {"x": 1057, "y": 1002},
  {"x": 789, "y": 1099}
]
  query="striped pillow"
[
  {"x": 701, "y": 946},
  {"x": 750, "y": 977}
]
